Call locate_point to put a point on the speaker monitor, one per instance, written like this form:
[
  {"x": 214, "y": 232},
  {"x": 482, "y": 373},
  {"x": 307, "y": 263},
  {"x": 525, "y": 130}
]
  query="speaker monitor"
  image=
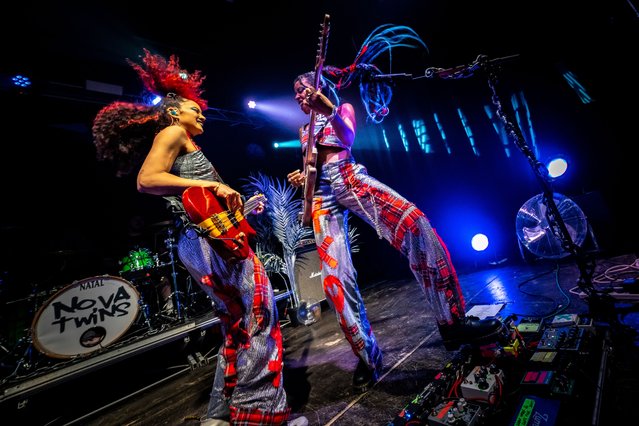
[{"x": 308, "y": 279}]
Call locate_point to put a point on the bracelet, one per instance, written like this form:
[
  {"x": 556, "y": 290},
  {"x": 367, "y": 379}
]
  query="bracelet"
[{"x": 333, "y": 114}]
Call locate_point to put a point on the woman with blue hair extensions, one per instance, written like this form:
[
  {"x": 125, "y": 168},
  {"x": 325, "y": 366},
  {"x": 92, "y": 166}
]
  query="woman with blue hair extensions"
[{"x": 344, "y": 186}]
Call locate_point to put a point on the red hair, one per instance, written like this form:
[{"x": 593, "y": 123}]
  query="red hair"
[{"x": 162, "y": 77}]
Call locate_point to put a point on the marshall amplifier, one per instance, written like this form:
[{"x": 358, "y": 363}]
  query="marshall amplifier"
[{"x": 308, "y": 280}]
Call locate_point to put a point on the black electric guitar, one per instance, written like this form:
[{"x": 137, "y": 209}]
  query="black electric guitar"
[{"x": 310, "y": 156}]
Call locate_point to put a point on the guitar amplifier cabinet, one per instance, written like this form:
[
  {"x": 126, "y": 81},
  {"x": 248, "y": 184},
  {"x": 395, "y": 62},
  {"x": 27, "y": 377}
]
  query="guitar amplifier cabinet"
[{"x": 308, "y": 280}]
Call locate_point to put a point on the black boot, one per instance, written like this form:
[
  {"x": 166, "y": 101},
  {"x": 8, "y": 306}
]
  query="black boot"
[
  {"x": 471, "y": 330},
  {"x": 364, "y": 378}
]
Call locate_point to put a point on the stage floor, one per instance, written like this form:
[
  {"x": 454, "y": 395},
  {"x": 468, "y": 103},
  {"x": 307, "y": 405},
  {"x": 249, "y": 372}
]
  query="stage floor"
[{"x": 594, "y": 373}]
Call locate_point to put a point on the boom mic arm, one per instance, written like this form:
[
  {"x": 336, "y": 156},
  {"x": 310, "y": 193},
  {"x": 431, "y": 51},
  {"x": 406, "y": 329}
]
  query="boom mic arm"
[{"x": 464, "y": 71}]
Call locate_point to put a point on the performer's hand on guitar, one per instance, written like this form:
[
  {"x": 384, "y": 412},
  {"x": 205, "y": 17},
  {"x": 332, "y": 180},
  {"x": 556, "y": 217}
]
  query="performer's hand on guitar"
[
  {"x": 259, "y": 209},
  {"x": 232, "y": 197},
  {"x": 296, "y": 178},
  {"x": 316, "y": 101}
]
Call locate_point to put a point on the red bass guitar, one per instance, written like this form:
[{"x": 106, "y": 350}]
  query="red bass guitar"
[{"x": 227, "y": 232}]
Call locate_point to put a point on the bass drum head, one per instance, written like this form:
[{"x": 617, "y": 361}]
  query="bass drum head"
[{"x": 85, "y": 316}]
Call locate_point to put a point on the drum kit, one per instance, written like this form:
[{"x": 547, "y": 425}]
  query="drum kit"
[{"x": 93, "y": 313}]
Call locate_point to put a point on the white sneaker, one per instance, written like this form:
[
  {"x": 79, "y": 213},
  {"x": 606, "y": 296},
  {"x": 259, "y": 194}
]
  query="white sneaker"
[{"x": 298, "y": 421}]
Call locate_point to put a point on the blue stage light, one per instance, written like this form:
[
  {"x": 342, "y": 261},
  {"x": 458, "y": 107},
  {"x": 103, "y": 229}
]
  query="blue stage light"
[{"x": 21, "y": 80}]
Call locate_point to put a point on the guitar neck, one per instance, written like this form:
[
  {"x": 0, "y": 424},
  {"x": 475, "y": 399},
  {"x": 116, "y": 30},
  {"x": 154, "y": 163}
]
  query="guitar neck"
[
  {"x": 251, "y": 204},
  {"x": 317, "y": 82},
  {"x": 310, "y": 146},
  {"x": 310, "y": 158}
]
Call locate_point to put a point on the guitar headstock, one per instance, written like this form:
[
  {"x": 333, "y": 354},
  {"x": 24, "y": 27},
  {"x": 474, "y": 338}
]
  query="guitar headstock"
[{"x": 321, "y": 50}]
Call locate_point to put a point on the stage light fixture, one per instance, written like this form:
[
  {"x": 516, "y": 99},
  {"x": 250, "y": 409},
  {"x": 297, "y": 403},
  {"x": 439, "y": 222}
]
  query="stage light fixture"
[
  {"x": 402, "y": 134},
  {"x": 479, "y": 242},
  {"x": 21, "y": 80},
  {"x": 419, "y": 126},
  {"x": 442, "y": 133},
  {"x": 579, "y": 89},
  {"x": 385, "y": 138},
  {"x": 251, "y": 104},
  {"x": 287, "y": 144},
  {"x": 468, "y": 130},
  {"x": 557, "y": 167}
]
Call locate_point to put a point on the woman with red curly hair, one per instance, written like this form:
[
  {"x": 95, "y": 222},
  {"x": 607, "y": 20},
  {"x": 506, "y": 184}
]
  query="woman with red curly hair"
[{"x": 248, "y": 385}]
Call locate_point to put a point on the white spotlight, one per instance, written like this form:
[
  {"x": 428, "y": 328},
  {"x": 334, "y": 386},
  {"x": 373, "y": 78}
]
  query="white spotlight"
[
  {"x": 479, "y": 242},
  {"x": 557, "y": 167}
]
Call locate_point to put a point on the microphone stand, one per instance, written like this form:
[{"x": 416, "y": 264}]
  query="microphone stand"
[{"x": 584, "y": 262}]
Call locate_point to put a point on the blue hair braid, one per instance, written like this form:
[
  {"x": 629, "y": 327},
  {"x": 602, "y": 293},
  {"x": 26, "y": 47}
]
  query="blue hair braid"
[{"x": 375, "y": 94}]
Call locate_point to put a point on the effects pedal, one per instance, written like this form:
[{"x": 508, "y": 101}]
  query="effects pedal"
[
  {"x": 562, "y": 338},
  {"x": 543, "y": 359},
  {"x": 455, "y": 412},
  {"x": 529, "y": 325},
  {"x": 586, "y": 323},
  {"x": 538, "y": 382},
  {"x": 482, "y": 382},
  {"x": 535, "y": 410}
]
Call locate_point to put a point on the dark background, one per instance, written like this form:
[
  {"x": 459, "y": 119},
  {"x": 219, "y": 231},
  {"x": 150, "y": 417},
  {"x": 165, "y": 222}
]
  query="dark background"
[{"x": 65, "y": 217}]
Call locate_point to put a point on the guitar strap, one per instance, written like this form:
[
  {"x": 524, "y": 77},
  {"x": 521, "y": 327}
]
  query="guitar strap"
[{"x": 181, "y": 220}]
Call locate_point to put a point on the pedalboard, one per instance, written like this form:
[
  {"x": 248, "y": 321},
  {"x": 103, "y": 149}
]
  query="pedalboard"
[{"x": 423, "y": 405}]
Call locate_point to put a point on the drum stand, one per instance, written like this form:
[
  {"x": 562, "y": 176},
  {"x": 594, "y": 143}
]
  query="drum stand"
[
  {"x": 27, "y": 362},
  {"x": 144, "y": 307},
  {"x": 170, "y": 246}
]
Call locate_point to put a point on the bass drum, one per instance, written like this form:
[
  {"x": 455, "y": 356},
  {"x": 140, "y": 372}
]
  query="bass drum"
[{"x": 85, "y": 316}]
